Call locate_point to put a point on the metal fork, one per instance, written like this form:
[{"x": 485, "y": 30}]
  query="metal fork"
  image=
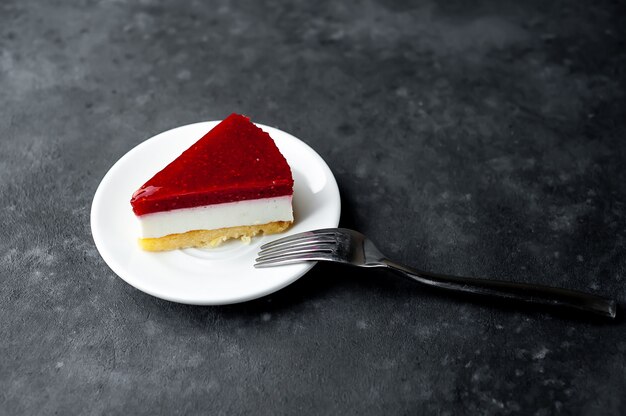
[{"x": 341, "y": 245}]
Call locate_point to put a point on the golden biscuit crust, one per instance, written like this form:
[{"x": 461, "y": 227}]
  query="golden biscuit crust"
[{"x": 210, "y": 238}]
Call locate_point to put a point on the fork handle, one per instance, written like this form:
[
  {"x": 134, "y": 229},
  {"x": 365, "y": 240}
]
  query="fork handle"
[{"x": 545, "y": 295}]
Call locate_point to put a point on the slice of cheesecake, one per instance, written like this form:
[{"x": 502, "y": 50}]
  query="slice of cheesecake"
[{"x": 232, "y": 183}]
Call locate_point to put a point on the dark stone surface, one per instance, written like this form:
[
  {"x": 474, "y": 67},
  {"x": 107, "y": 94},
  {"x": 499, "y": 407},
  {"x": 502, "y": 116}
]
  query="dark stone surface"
[{"x": 480, "y": 139}]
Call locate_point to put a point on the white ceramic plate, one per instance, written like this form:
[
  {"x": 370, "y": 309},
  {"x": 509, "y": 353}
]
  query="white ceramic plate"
[{"x": 215, "y": 276}]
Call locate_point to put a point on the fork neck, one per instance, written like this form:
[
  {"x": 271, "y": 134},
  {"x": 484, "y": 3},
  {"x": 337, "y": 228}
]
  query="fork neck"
[{"x": 410, "y": 272}]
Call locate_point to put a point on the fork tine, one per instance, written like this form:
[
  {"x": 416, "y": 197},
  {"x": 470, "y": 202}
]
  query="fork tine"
[
  {"x": 296, "y": 248},
  {"x": 289, "y": 251},
  {"x": 314, "y": 234},
  {"x": 304, "y": 241},
  {"x": 297, "y": 258}
]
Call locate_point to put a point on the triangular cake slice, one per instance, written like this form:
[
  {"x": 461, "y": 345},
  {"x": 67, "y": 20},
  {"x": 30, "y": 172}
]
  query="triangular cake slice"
[{"x": 232, "y": 183}]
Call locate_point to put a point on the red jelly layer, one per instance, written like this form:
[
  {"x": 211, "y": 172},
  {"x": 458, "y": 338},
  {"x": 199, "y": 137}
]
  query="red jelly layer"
[{"x": 235, "y": 161}]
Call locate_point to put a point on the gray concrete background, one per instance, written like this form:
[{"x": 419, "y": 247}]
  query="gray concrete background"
[{"x": 482, "y": 138}]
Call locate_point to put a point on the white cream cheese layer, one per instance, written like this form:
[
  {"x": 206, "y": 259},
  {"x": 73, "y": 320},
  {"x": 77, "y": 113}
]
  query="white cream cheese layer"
[{"x": 210, "y": 217}]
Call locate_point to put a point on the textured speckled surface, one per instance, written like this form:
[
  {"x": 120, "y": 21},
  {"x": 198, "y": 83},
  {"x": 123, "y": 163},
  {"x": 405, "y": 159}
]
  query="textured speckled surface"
[{"x": 482, "y": 139}]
